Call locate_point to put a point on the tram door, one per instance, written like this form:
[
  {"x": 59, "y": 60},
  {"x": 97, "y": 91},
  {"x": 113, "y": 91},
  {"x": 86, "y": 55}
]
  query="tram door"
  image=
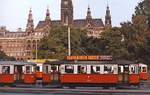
[
  {"x": 123, "y": 71},
  {"x": 55, "y": 73},
  {"x": 18, "y": 73}
]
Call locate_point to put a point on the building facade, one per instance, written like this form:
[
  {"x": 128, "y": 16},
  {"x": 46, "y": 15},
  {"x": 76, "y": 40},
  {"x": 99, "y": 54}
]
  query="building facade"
[{"x": 21, "y": 44}]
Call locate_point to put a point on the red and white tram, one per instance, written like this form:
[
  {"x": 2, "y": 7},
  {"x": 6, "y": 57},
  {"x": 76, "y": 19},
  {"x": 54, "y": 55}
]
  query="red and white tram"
[
  {"x": 13, "y": 72},
  {"x": 91, "y": 71}
]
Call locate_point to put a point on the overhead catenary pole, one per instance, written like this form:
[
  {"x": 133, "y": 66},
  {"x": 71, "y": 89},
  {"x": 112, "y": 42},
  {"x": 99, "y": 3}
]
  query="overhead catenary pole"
[
  {"x": 69, "y": 42},
  {"x": 36, "y": 51}
]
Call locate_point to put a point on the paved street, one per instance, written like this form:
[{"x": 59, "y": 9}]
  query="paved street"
[{"x": 143, "y": 90}]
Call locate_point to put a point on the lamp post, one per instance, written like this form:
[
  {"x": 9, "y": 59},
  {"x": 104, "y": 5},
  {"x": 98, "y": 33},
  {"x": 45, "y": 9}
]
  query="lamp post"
[
  {"x": 69, "y": 42},
  {"x": 36, "y": 51}
]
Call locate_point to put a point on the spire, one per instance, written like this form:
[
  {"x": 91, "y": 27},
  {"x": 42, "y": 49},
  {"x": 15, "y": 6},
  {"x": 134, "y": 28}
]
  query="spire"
[
  {"x": 30, "y": 25},
  {"x": 89, "y": 13},
  {"x": 108, "y": 18},
  {"x": 47, "y": 15},
  {"x": 30, "y": 18},
  {"x": 88, "y": 16}
]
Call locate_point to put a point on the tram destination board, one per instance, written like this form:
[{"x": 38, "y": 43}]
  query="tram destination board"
[{"x": 99, "y": 57}]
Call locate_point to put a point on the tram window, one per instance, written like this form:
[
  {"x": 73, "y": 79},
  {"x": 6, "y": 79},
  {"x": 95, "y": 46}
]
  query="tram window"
[
  {"x": 53, "y": 68},
  {"x": 119, "y": 69},
  {"x": 82, "y": 69},
  {"x": 6, "y": 69},
  {"x": 108, "y": 69},
  {"x": 95, "y": 69},
  {"x": 28, "y": 69},
  {"x": 140, "y": 69},
  {"x": 133, "y": 70},
  {"x": 126, "y": 69},
  {"x": 69, "y": 69},
  {"x": 143, "y": 69},
  {"x": 46, "y": 69},
  {"x": 38, "y": 68}
]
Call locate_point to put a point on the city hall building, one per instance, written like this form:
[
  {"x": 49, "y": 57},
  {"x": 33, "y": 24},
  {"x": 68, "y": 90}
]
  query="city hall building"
[{"x": 21, "y": 44}]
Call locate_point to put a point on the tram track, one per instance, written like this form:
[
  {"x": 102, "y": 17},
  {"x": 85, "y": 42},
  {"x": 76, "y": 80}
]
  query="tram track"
[{"x": 72, "y": 91}]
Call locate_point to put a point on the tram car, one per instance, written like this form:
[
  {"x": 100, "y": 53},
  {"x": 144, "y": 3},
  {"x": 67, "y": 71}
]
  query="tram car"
[
  {"x": 39, "y": 66},
  {"x": 143, "y": 71},
  {"x": 14, "y": 72},
  {"x": 91, "y": 71}
]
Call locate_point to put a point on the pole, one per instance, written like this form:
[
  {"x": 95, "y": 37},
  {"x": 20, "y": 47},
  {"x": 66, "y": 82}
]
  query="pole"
[
  {"x": 36, "y": 50},
  {"x": 69, "y": 43}
]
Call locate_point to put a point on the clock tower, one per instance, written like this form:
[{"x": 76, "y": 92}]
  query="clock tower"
[{"x": 66, "y": 12}]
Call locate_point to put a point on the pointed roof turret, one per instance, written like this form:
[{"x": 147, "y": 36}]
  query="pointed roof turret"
[
  {"x": 30, "y": 18},
  {"x": 88, "y": 13},
  {"x": 47, "y": 15},
  {"x": 89, "y": 16},
  {"x": 30, "y": 24},
  {"x": 108, "y": 18}
]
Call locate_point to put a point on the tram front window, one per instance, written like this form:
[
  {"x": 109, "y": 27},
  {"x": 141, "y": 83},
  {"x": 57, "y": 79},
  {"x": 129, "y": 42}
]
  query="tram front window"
[
  {"x": 28, "y": 69},
  {"x": 69, "y": 69},
  {"x": 6, "y": 70},
  {"x": 143, "y": 69},
  {"x": 38, "y": 68},
  {"x": 54, "y": 68}
]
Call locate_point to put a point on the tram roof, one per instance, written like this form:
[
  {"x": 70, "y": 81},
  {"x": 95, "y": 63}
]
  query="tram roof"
[
  {"x": 91, "y": 62},
  {"x": 16, "y": 63},
  {"x": 80, "y": 62},
  {"x": 125, "y": 62}
]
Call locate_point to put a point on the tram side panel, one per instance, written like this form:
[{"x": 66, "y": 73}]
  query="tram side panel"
[
  {"x": 29, "y": 74},
  {"x": 128, "y": 74},
  {"x": 134, "y": 77},
  {"x": 6, "y": 74},
  {"x": 47, "y": 74},
  {"x": 39, "y": 73},
  {"x": 89, "y": 74},
  {"x": 143, "y": 71}
]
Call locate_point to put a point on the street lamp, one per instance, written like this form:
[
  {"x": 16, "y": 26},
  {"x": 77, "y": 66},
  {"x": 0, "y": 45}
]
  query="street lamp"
[
  {"x": 69, "y": 42},
  {"x": 36, "y": 50}
]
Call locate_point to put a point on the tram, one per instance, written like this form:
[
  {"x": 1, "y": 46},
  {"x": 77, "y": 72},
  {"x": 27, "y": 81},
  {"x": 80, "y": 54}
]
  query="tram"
[
  {"x": 14, "y": 72},
  {"x": 91, "y": 71},
  {"x": 74, "y": 71}
]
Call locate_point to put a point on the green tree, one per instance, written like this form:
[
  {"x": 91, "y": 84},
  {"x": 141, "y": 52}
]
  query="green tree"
[
  {"x": 55, "y": 45},
  {"x": 3, "y": 56},
  {"x": 114, "y": 45},
  {"x": 143, "y": 8}
]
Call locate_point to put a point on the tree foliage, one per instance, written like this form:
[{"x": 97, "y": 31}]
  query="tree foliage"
[
  {"x": 55, "y": 45},
  {"x": 3, "y": 56},
  {"x": 143, "y": 8}
]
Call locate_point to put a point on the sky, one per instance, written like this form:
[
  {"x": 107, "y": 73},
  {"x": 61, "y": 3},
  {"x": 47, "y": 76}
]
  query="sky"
[{"x": 14, "y": 13}]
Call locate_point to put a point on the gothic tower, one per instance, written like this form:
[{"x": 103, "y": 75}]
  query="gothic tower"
[
  {"x": 108, "y": 18},
  {"x": 66, "y": 12},
  {"x": 88, "y": 16},
  {"x": 30, "y": 24},
  {"x": 47, "y": 18}
]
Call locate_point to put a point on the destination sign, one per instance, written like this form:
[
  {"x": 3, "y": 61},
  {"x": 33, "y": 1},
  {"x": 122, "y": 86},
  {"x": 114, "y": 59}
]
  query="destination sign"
[{"x": 101, "y": 57}]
